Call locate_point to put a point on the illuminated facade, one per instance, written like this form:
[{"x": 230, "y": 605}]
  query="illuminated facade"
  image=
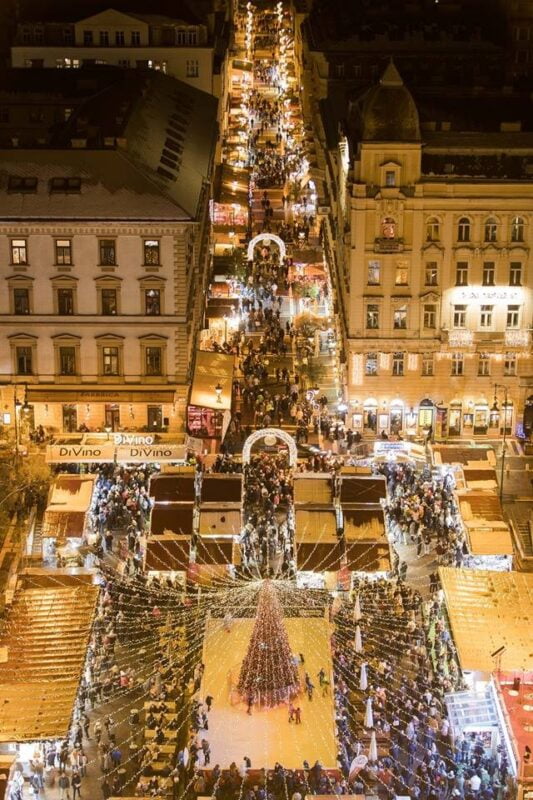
[{"x": 432, "y": 244}]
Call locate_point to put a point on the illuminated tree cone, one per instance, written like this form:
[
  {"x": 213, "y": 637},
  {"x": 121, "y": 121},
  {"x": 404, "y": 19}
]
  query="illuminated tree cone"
[{"x": 268, "y": 674}]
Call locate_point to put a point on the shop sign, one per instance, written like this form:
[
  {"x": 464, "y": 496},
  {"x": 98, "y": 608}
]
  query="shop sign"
[
  {"x": 79, "y": 453},
  {"x": 133, "y": 439},
  {"x": 391, "y": 447},
  {"x": 498, "y": 293},
  {"x": 138, "y": 453}
]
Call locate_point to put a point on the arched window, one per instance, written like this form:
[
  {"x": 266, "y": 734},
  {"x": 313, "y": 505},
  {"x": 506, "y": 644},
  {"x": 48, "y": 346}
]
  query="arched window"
[
  {"x": 491, "y": 230},
  {"x": 432, "y": 229},
  {"x": 517, "y": 229},
  {"x": 463, "y": 230},
  {"x": 388, "y": 228}
]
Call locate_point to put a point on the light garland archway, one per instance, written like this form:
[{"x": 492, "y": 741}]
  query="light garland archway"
[
  {"x": 276, "y": 433},
  {"x": 266, "y": 238}
]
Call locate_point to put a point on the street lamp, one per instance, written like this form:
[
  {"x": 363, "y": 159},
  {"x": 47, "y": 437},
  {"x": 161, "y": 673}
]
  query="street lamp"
[{"x": 504, "y": 417}]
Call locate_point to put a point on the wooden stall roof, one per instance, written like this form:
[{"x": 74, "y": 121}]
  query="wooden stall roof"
[
  {"x": 490, "y": 541},
  {"x": 217, "y": 550},
  {"x": 313, "y": 490},
  {"x": 222, "y": 488},
  {"x": 313, "y": 526},
  {"x": 320, "y": 556},
  {"x": 219, "y": 522},
  {"x": 480, "y": 477},
  {"x": 63, "y": 524},
  {"x": 480, "y": 504},
  {"x": 363, "y": 488},
  {"x": 367, "y": 556},
  {"x": 172, "y": 518},
  {"x": 488, "y": 610},
  {"x": 168, "y": 552},
  {"x": 461, "y": 454},
  {"x": 363, "y": 523},
  {"x": 45, "y": 638},
  {"x": 211, "y": 369},
  {"x": 172, "y": 488}
]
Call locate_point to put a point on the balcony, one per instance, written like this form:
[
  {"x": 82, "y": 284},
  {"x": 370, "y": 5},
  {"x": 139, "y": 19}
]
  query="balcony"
[{"x": 385, "y": 245}]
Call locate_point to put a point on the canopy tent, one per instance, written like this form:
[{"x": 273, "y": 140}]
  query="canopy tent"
[
  {"x": 317, "y": 546},
  {"x": 40, "y": 673},
  {"x": 212, "y": 370},
  {"x": 172, "y": 518},
  {"x": 168, "y": 552},
  {"x": 219, "y": 522},
  {"x": 362, "y": 489},
  {"x": 221, "y": 488},
  {"x": 172, "y": 488},
  {"x": 313, "y": 489},
  {"x": 487, "y": 611},
  {"x": 69, "y": 501}
]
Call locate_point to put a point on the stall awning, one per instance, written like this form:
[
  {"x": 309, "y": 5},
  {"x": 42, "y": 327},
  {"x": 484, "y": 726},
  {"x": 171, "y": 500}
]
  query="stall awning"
[
  {"x": 168, "y": 552},
  {"x": 222, "y": 488},
  {"x": 362, "y": 489},
  {"x": 45, "y": 641},
  {"x": 219, "y": 522},
  {"x": 172, "y": 518},
  {"x": 487, "y": 611},
  {"x": 311, "y": 490},
  {"x": 172, "y": 488},
  {"x": 210, "y": 370}
]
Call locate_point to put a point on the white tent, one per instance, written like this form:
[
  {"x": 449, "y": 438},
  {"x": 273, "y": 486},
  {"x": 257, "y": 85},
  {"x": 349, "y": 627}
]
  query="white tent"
[
  {"x": 358, "y": 640},
  {"x": 369, "y": 716},
  {"x": 373, "y": 748},
  {"x": 363, "y": 679}
]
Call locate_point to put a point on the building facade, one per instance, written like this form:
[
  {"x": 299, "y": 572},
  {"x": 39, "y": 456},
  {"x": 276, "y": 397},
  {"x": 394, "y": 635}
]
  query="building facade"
[
  {"x": 430, "y": 231},
  {"x": 104, "y": 255},
  {"x": 185, "y": 50}
]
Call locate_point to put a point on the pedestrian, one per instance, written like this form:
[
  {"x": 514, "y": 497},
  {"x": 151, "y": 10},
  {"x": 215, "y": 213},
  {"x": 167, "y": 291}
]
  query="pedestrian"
[
  {"x": 76, "y": 785},
  {"x": 209, "y": 702},
  {"x": 298, "y": 715},
  {"x": 64, "y": 786},
  {"x": 250, "y": 702}
]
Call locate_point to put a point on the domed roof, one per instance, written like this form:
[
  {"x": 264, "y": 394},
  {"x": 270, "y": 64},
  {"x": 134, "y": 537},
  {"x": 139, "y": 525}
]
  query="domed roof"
[{"x": 388, "y": 111}]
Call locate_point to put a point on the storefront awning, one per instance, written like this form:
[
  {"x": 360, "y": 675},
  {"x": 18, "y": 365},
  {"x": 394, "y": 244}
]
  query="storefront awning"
[
  {"x": 172, "y": 518},
  {"x": 212, "y": 370},
  {"x": 168, "y": 552},
  {"x": 487, "y": 611},
  {"x": 45, "y": 643},
  {"x": 219, "y": 522}
]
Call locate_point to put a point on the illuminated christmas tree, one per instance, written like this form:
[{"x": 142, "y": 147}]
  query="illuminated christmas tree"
[{"x": 268, "y": 675}]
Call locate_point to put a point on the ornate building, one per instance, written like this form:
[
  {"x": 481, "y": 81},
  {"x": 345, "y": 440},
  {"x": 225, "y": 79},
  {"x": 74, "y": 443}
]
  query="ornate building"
[{"x": 430, "y": 225}]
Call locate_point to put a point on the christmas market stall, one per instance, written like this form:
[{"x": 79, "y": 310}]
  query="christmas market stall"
[{"x": 66, "y": 518}]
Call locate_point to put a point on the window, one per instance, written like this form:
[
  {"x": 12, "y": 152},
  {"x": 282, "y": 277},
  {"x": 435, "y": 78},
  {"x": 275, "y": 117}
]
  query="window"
[
  {"x": 120, "y": 40},
  {"x": 430, "y": 316},
  {"x": 463, "y": 230},
  {"x": 124, "y": 63},
  {"x": 515, "y": 273},
  {"x": 23, "y": 185},
  {"x": 513, "y": 316},
  {"x": 192, "y": 68},
  {"x": 63, "y": 252},
  {"x": 24, "y": 360},
  {"x": 427, "y": 364},
  {"x": 87, "y": 38},
  {"x": 67, "y": 361},
  {"x": 19, "y": 251},
  {"x": 459, "y": 316},
  {"x": 65, "y": 301},
  {"x": 339, "y": 70},
  {"x": 65, "y": 185},
  {"x": 110, "y": 361},
  {"x": 390, "y": 178},
  {"x": 104, "y": 38},
  {"x": 152, "y": 302},
  {"x": 509, "y": 365},
  {"x": 517, "y": 229},
  {"x": 388, "y": 228},
  {"x": 400, "y": 318},
  {"x": 107, "y": 252},
  {"x": 153, "y": 361},
  {"x": 397, "y": 364},
  {"x": 461, "y": 273},
  {"x": 108, "y": 301},
  {"x": 489, "y": 271},
  {"x": 402, "y": 273},
  {"x": 372, "y": 316},
  {"x": 432, "y": 273},
  {"x": 371, "y": 364},
  {"x": 21, "y": 301},
  {"x": 135, "y": 38},
  {"x": 490, "y": 230},
  {"x": 483, "y": 365},
  {"x": 458, "y": 364},
  {"x": 374, "y": 270},
  {"x": 151, "y": 252},
  {"x": 432, "y": 230},
  {"x": 485, "y": 317},
  {"x": 68, "y": 36}
]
